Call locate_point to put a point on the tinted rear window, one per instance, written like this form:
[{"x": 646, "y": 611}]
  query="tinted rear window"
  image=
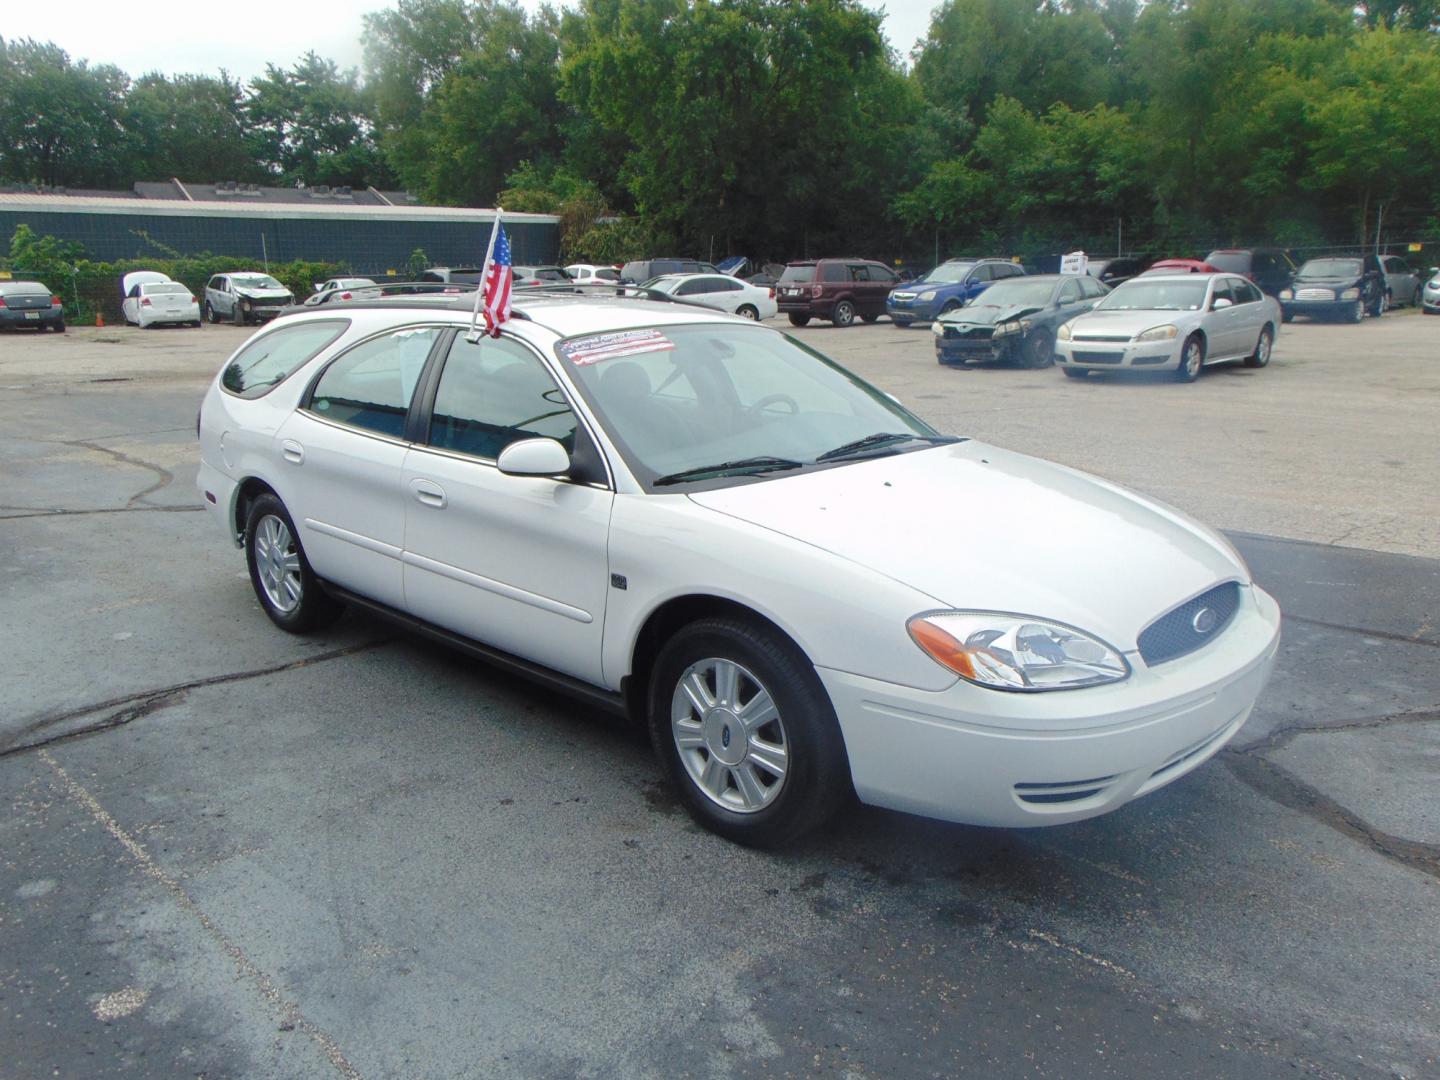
[
  {"x": 25, "y": 288},
  {"x": 269, "y": 359},
  {"x": 161, "y": 287},
  {"x": 799, "y": 273},
  {"x": 1232, "y": 262}
]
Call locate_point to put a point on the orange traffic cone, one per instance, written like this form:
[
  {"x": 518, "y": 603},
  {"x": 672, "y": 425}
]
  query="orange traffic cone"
[{"x": 99, "y": 318}]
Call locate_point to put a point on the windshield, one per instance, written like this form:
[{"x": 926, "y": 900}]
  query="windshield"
[
  {"x": 255, "y": 281},
  {"x": 1140, "y": 295},
  {"x": 799, "y": 273},
  {"x": 677, "y": 398},
  {"x": 947, "y": 274},
  {"x": 1015, "y": 293},
  {"x": 1331, "y": 268}
]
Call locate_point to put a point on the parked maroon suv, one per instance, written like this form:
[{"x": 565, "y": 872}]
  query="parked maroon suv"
[{"x": 834, "y": 289}]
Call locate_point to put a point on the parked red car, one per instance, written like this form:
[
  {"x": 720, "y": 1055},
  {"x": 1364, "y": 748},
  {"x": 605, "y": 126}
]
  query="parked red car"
[
  {"x": 1181, "y": 266},
  {"x": 834, "y": 289}
]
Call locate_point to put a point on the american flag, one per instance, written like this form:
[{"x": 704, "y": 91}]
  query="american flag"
[{"x": 497, "y": 284}]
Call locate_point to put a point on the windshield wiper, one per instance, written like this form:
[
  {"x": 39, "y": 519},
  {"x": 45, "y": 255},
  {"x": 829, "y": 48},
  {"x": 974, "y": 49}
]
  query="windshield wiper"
[
  {"x": 738, "y": 467},
  {"x": 884, "y": 438}
]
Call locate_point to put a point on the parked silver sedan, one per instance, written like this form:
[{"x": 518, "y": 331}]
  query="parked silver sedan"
[{"x": 1176, "y": 323}]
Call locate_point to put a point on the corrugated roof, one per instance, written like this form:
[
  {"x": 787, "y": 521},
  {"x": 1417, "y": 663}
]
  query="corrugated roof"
[{"x": 242, "y": 206}]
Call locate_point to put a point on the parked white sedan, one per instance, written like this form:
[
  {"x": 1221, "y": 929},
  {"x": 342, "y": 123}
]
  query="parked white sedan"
[
  {"x": 1176, "y": 323},
  {"x": 161, "y": 303},
  {"x": 719, "y": 291},
  {"x": 669, "y": 513}
]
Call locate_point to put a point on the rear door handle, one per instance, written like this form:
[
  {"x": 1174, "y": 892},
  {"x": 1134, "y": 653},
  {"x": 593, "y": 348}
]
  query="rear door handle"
[
  {"x": 292, "y": 451},
  {"x": 429, "y": 493}
]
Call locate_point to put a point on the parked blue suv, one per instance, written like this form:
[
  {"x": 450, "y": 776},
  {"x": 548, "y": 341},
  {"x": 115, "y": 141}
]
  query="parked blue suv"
[{"x": 946, "y": 288}]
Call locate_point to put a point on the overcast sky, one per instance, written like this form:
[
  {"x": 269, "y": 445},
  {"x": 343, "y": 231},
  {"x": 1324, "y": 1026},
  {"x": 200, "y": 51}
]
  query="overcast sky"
[{"x": 197, "y": 39}]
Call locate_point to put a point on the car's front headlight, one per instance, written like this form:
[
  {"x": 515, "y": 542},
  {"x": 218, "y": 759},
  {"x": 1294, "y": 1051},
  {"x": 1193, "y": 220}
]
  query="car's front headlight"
[
  {"x": 1015, "y": 652},
  {"x": 928, "y": 294},
  {"x": 1158, "y": 333},
  {"x": 1063, "y": 334},
  {"x": 1014, "y": 326},
  {"x": 1287, "y": 294},
  {"x": 1350, "y": 294}
]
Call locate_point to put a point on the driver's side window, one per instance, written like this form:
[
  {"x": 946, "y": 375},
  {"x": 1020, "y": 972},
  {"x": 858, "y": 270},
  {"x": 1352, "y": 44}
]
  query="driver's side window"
[{"x": 493, "y": 393}]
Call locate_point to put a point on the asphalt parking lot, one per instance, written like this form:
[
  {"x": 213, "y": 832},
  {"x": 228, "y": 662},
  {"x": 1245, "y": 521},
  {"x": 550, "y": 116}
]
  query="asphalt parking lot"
[{"x": 226, "y": 852}]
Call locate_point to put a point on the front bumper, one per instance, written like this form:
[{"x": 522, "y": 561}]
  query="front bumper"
[
  {"x": 1110, "y": 355},
  {"x": 1430, "y": 299},
  {"x": 957, "y": 351},
  {"x": 987, "y": 757},
  {"x": 916, "y": 310},
  {"x": 1319, "y": 309}
]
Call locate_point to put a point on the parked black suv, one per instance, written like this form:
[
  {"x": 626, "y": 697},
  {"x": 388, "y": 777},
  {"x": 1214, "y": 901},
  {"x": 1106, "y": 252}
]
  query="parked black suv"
[
  {"x": 639, "y": 271},
  {"x": 1271, "y": 268}
]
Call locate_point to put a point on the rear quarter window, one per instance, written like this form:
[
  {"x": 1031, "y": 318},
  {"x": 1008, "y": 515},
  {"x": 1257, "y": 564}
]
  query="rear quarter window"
[{"x": 269, "y": 359}]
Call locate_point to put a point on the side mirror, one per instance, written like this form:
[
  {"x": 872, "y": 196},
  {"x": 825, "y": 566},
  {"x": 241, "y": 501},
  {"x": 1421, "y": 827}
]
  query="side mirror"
[
  {"x": 1221, "y": 304},
  {"x": 534, "y": 457}
]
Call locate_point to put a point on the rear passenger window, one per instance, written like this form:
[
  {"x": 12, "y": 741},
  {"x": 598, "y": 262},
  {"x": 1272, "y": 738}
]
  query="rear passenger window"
[
  {"x": 1070, "y": 292},
  {"x": 834, "y": 272},
  {"x": 370, "y": 386},
  {"x": 270, "y": 359},
  {"x": 493, "y": 393}
]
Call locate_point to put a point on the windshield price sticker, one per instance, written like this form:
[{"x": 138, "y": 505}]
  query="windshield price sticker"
[{"x": 597, "y": 347}]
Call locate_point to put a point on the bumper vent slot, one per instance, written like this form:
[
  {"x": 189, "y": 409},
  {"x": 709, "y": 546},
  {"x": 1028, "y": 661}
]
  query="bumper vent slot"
[
  {"x": 1190, "y": 754},
  {"x": 1065, "y": 791},
  {"x": 1191, "y": 625}
]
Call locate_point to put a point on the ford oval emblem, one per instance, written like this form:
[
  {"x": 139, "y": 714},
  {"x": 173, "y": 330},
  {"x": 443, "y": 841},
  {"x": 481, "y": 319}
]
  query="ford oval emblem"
[{"x": 1204, "y": 620}]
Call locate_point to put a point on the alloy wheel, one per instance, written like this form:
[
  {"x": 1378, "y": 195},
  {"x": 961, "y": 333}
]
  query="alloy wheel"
[
  {"x": 729, "y": 735},
  {"x": 277, "y": 560}
]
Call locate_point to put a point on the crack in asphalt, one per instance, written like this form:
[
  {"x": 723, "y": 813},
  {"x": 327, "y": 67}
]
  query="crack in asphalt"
[
  {"x": 21, "y": 513},
  {"x": 1384, "y": 635},
  {"x": 1282, "y": 786},
  {"x": 1250, "y": 765},
  {"x": 149, "y": 701},
  {"x": 166, "y": 477},
  {"x": 285, "y": 1010}
]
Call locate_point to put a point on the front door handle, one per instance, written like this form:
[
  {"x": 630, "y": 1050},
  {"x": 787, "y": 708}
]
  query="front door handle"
[
  {"x": 429, "y": 493},
  {"x": 292, "y": 451}
]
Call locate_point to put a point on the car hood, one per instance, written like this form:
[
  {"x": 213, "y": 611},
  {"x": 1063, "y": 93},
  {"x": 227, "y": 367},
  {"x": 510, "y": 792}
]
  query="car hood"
[
  {"x": 978, "y": 527},
  {"x": 1106, "y": 323},
  {"x": 264, "y": 294},
  {"x": 978, "y": 314}
]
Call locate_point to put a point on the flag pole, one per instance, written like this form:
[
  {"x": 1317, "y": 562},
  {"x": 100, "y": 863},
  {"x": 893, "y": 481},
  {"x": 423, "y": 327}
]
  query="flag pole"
[{"x": 473, "y": 336}]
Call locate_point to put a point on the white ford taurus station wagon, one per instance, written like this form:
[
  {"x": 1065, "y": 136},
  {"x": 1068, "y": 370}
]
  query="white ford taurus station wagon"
[{"x": 701, "y": 522}]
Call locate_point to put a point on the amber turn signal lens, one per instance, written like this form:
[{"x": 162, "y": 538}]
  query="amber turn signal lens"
[{"x": 942, "y": 647}]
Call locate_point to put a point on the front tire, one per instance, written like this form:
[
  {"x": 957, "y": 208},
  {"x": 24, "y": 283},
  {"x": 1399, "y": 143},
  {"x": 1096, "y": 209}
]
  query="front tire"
[
  {"x": 870, "y": 318},
  {"x": 1356, "y": 312},
  {"x": 1075, "y": 372},
  {"x": 279, "y": 572},
  {"x": 1192, "y": 359},
  {"x": 1039, "y": 351},
  {"x": 844, "y": 313},
  {"x": 745, "y": 730},
  {"x": 1261, "y": 356},
  {"x": 797, "y": 319}
]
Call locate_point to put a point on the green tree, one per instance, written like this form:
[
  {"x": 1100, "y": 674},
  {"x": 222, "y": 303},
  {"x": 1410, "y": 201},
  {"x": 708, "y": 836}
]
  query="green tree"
[
  {"x": 191, "y": 127},
  {"x": 59, "y": 120},
  {"x": 310, "y": 125}
]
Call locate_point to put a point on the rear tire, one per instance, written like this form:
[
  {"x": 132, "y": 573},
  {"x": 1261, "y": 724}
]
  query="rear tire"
[
  {"x": 1382, "y": 302},
  {"x": 60, "y": 327},
  {"x": 844, "y": 313},
  {"x": 286, "y": 587},
  {"x": 797, "y": 319},
  {"x": 744, "y": 729},
  {"x": 746, "y": 311},
  {"x": 1261, "y": 356}
]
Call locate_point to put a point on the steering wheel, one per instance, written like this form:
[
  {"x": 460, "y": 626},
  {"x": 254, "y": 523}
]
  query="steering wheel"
[{"x": 773, "y": 399}]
